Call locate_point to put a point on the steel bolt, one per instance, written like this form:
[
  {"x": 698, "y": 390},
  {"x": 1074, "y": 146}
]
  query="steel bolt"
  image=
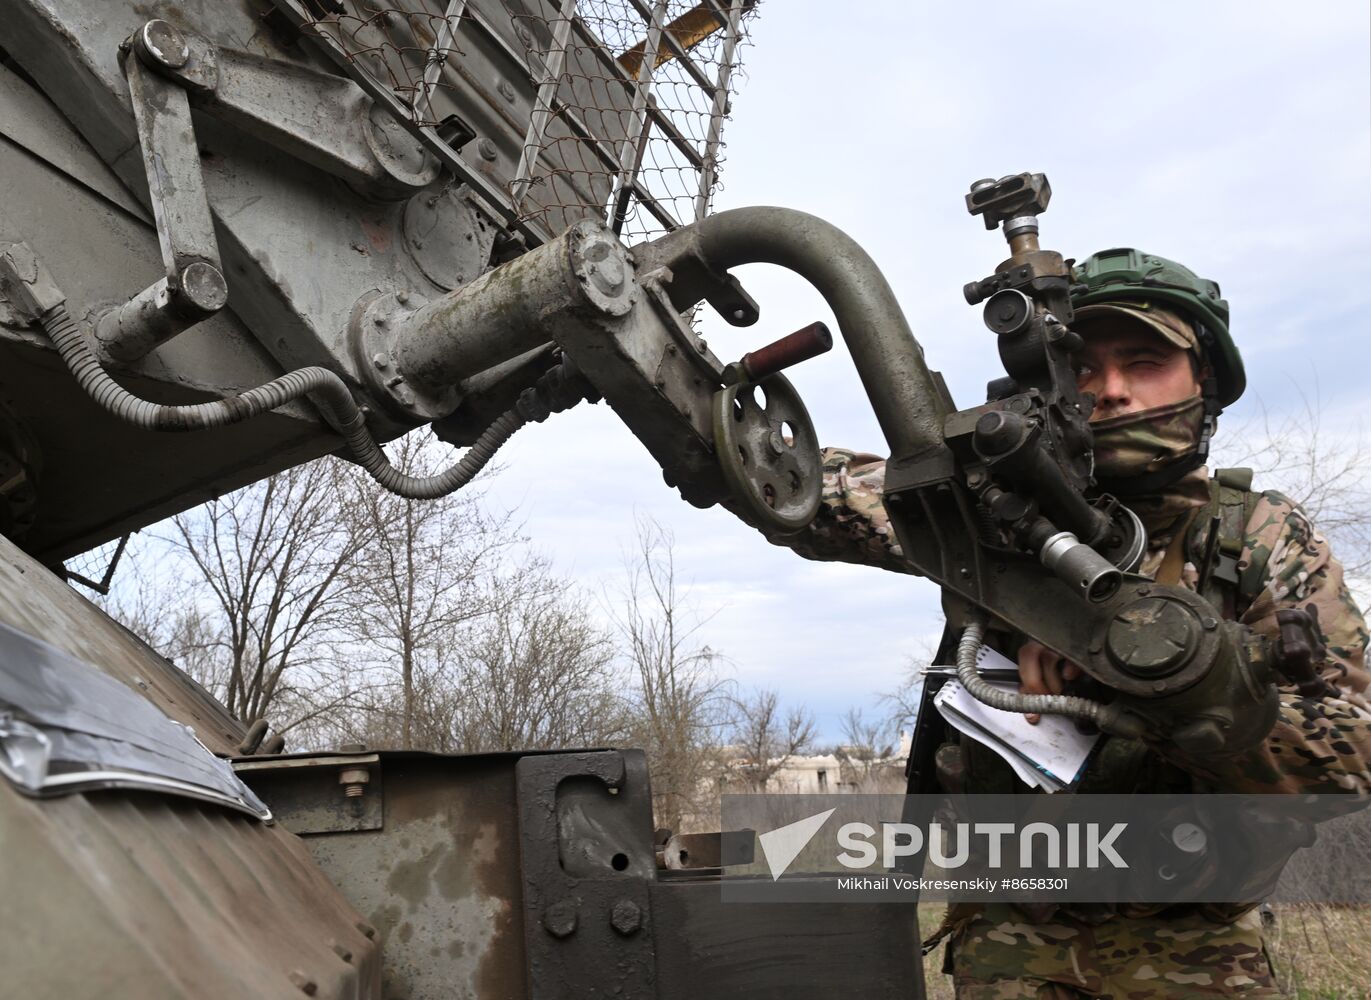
[
  {"x": 506, "y": 90},
  {"x": 487, "y": 149},
  {"x": 626, "y": 917},
  {"x": 366, "y": 930},
  {"x": 559, "y": 919},
  {"x": 342, "y": 952},
  {"x": 402, "y": 296},
  {"x": 381, "y": 360},
  {"x": 1210, "y": 624},
  {"x": 354, "y": 781},
  {"x": 306, "y": 985}
]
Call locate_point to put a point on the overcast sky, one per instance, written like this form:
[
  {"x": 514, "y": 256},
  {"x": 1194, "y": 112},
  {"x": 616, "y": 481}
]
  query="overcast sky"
[{"x": 1232, "y": 136}]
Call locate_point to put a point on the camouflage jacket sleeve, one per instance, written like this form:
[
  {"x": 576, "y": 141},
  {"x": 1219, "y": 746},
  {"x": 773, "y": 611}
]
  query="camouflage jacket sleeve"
[
  {"x": 1318, "y": 744},
  {"x": 851, "y": 525}
]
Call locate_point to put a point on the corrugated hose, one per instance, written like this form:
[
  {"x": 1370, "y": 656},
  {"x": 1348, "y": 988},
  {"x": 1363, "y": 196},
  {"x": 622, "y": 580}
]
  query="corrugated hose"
[
  {"x": 969, "y": 647},
  {"x": 328, "y": 392}
]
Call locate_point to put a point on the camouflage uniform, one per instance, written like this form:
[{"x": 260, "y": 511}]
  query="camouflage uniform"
[{"x": 1318, "y": 745}]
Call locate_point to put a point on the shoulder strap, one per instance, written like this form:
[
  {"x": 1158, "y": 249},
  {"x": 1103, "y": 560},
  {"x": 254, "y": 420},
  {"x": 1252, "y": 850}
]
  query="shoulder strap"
[{"x": 1217, "y": 539}]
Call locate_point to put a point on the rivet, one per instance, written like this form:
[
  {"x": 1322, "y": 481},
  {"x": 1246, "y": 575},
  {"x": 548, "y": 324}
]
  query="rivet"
[
  {"x": 306, "y": 985},
  {"x": 342, "y": 952}
]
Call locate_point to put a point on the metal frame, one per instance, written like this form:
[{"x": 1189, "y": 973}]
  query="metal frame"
[
  {"x": 301, "y": 20},
  {"x": 623, "y": 163}
]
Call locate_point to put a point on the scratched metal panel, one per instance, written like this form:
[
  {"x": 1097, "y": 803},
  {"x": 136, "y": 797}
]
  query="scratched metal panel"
[{"x": 118, "y": 895}]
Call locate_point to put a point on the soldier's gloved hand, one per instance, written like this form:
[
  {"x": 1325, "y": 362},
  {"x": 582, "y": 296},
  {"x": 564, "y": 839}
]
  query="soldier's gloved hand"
[{"x": 1041, "y": 671}]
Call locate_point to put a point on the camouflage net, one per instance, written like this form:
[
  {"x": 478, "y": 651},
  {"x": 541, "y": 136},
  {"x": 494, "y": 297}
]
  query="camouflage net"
[{"x": 566, "y": 110}]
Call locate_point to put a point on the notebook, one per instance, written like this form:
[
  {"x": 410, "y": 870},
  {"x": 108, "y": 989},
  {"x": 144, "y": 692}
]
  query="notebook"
[{"x": 1050, "y": 755}]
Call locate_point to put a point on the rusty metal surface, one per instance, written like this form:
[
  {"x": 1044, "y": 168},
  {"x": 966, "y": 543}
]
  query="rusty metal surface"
[
  {"x": 440, "y": 880},
  {"x": 320, "y": 794},
  {"x": 134, "y": 895}
]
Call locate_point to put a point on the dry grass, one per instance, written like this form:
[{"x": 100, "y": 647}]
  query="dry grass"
[
  {"x": 1319, "y": 952},
  {"x": 1322, "y": 952}
]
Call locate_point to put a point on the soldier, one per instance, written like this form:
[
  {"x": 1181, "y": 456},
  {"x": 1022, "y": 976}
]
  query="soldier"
[{"x": 1161, "y": 365}]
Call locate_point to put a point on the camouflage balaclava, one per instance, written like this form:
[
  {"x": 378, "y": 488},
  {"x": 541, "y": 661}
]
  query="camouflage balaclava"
[{"x": 1148, "y": 457}]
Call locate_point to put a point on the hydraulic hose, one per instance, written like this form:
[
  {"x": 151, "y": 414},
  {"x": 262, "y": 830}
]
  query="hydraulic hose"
[
  {"x": 969, "y": 647},
  {"x": 324, "y": 387}
]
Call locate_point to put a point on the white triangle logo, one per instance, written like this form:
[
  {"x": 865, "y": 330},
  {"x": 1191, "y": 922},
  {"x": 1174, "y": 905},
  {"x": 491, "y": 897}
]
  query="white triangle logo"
[{"x": 782, "y": 845}]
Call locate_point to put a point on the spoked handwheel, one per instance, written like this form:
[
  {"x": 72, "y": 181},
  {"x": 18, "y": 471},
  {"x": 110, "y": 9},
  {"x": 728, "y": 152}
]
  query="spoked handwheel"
[{"x": 769, "y": 452}]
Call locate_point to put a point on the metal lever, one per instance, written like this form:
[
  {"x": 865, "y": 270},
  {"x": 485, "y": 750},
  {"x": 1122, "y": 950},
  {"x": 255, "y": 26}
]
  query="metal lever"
[{"x": 194, "y": 285}]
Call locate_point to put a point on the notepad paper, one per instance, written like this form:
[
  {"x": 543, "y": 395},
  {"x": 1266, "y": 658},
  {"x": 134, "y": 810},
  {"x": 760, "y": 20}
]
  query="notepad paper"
[{"x": 1049, "y": 755}]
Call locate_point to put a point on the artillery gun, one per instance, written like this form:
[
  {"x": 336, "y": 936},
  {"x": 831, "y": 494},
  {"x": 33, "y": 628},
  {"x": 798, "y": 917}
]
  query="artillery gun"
[{"x": 291, "y": 228}]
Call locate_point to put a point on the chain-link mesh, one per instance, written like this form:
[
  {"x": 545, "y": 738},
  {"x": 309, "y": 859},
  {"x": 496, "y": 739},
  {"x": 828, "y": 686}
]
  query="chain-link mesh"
[
  {"x": 559, "y": 101},
  {"x": 94, "y": 569}
]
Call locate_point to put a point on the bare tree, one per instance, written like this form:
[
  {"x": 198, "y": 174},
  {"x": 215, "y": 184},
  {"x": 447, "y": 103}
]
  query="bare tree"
[
  {"x": 865, "y": 750},
  {"x": 1321, "y": 470},
  {"x": 766, "y": 737},
  {"x": 420, "y": 577},
  {"x": 680, "y": 698},
  {"x": 537, "y": 672},
  {"x": 273, "y": 557}
]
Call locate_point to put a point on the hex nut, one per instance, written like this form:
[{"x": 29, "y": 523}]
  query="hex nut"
[
  {"x": 626, "y": 917},
  {"x": 559, "y": 919}
]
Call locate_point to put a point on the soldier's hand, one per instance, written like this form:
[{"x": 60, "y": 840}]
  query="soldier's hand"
[{"x": 1042, "y": 671}]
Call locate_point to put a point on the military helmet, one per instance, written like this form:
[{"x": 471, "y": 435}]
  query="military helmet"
[{"x": 1126, "y": 273}]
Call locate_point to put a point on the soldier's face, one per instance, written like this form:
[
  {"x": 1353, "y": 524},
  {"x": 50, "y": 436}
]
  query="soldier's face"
[{"x": 1130, "y": 368}]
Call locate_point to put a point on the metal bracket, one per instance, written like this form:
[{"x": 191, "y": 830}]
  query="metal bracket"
[
  {"x": 194, "y": 286},
  {"x": 585, "y": 843},
  {"x": 320, "y": 118}
]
